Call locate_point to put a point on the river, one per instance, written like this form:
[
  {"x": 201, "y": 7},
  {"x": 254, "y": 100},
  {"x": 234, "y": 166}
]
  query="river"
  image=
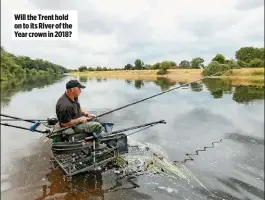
[{"x": 197, "y": 115}]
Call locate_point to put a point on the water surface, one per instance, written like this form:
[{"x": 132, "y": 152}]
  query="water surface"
[{"x": 196, "y": 116}]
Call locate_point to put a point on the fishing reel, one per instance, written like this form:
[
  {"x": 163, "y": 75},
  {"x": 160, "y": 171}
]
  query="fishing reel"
[{"x": 52, "y": 121}]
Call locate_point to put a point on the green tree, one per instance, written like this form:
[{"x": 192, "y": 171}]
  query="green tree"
[
  {"x": 82, "y": 68},
  {"x": 184, "y": 64},
  {"x": 242, "y": 64},
  {"x": 197, "y": 63},
  {"x": 247, "y": 54},
  {"x": 171, "y": 64},
  {"x": 138, "y": 64},
  {"x": 232, "y": 64},
  {"x": 148, "y": 66},
  {"x": 165, "y": 65},
  {"x": 128, "y": 67},
  {"x": 17, "y": 66},
  {"x": 256, "y": 63},
  {"x": 156, "y": 66},
  {"x": 99, "y": 68},
  {"x": 219, "y": 58}
]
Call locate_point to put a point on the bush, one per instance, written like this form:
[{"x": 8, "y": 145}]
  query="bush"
[
  {"x": 162, "y": 71},
  {"x": 242, "y": 64},
  {"x": 219, "y": 58},
  {"x": 214, "y": 68},
  {"x": 256, "y": 63},
  {"x": 257, "y": 73},
  {"x": 233, "y": 64}
]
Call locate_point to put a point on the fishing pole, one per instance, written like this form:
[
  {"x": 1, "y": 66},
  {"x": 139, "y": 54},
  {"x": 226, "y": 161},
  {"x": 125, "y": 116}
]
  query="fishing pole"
[
  {"x": 33, "y": 128},
  {"x": 114, "y": 133},
  {"x": 17, "y": 118},
  {"x": 62, "y": 129},
  {"x": 36, "y": 123},
  {"x": 27, "y": 120}
]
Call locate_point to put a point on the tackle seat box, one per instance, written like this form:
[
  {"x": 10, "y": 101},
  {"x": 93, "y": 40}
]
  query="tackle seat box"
[{"x": 120, "y": 140}]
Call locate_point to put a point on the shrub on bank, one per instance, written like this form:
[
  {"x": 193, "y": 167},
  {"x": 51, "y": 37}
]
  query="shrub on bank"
[
  {"x": 162, "y": 71},
  {"x": 215, "y": 68},
  {"x": 242, "y": 64},
  {"x": 256, "y": 63}
]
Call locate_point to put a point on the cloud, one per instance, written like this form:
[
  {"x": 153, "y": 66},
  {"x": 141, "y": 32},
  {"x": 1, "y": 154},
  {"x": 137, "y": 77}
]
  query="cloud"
[
  {"x": 249, "y": 4},
  {"x": 114, "y": 33}
]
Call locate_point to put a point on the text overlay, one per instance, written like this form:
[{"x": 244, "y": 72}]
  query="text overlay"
[{"x": 44, "y": 25}]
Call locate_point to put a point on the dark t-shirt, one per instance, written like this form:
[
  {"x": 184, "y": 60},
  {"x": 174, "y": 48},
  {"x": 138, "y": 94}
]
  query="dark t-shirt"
[{"x": 67, "y": 109}]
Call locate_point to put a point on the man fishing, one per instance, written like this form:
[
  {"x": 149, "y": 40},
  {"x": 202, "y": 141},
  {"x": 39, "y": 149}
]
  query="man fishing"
[{"x": 69, "y": 112}]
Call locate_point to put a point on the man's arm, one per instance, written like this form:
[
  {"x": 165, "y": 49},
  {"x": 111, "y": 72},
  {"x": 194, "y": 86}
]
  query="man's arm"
[
  {"x": 74, "y": 121},
  {"x": 86, "y": 113}
]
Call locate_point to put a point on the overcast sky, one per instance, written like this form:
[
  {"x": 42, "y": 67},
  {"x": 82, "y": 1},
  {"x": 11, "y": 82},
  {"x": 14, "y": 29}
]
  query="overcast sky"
[{"x": 113, "y": 33}]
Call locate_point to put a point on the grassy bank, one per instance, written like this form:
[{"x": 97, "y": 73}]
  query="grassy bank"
[
  {"x": 172, "y": 72},
  {"x": 246, "y": 76},
  {"x": 186, "y": 74}
]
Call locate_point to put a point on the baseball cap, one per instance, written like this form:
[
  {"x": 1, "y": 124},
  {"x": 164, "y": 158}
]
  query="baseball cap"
[{"x": 74, "y": 83}]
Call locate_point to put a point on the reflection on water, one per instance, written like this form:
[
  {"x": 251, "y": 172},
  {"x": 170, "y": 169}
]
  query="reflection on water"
[
  {"x": 241, "y": 93},
  {"x": 128, "y": 82},
  {"x": 196, "y": 115},
  {"x": 138, "y": 84},
  {"x": 25, "y": 84},
  {"x": 245, "y": 94},
  {"x": 81, "y": 187},
  {"x": 83, "y": 79},
  {"x": 196, "y": 87},
  {"x": 217, "y": 87},
  {"x": 164, "y": 83}
]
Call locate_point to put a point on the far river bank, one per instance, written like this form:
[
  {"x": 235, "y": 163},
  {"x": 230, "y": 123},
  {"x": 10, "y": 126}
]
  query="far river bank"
[{"x": 245, "y": 76}]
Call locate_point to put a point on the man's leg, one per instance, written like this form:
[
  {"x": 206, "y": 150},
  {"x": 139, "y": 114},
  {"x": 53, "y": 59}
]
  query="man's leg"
[{"x": 93, "y": 127}]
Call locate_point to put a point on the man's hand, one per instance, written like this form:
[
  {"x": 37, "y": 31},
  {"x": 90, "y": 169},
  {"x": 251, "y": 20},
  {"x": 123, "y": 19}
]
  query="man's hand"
[
  {"x": 90, "y": 115},
  {"x": 83, "y": 119},
  {"x": 87, "y": 114}
]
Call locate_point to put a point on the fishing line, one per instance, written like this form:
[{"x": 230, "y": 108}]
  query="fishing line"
[
  {"x": 204, "y": 149},
  {"x": 137, "y": 173}
]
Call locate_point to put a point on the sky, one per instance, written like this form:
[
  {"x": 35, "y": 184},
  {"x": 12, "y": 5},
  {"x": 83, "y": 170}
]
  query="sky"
[{"x": 113, "y": 33}]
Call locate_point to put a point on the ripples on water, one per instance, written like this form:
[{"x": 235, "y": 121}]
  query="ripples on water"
[{"x": 196, "y": 116}]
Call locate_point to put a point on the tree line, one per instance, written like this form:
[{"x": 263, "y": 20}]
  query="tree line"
[
  {"x": 245, "y": 57},
  {"x": 18, "y": 66}
]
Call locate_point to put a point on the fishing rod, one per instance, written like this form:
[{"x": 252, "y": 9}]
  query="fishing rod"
[
  {"x": 114, "y": 133},
  {"x": 27, "y": 120},
  {"x": 32, "y": 128},
  {"x": 62, "y": 129},
  {"x": 21, "y": 119},
  {"x": 17, "y": 119},
  {"x": 140, "y": 126},
  {"x": 36, "y": 123}
]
